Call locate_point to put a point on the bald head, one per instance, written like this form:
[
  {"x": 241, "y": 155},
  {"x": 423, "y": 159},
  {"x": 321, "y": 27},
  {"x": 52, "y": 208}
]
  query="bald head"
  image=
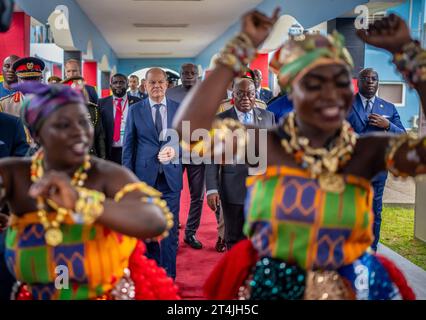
[
  {"x": 368, "y": 82},
  {"x": 244, "y": 94},
  {"x": 189, "y": 75},
  {"x": 156, "y": 84},
  {"x": 9, "y": 74}
]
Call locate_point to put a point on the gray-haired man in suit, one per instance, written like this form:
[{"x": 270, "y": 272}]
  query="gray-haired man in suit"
[{"x": 225, "y": 184}]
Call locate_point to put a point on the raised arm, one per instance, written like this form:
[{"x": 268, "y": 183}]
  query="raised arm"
[
  {"x": 392, "y": 34},
  {"x": 200, "y": 106},
  {"x": 405, "y": 155}
]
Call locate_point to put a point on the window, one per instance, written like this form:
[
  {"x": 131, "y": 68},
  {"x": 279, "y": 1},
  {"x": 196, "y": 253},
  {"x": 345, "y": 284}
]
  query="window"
[{"x": 393, "y": 92}]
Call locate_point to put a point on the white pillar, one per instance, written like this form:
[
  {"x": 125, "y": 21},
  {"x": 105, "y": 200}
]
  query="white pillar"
[{"x": 420, "y": 205}]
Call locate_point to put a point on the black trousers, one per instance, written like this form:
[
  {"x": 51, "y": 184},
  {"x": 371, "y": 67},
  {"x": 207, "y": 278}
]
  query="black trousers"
[
  {"x": 116, "y": 155},
  {"x": 196, "y": 182},
  {"x": 233, "y": 216}
]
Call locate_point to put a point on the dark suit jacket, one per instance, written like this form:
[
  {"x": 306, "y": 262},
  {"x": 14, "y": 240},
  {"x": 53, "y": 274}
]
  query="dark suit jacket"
[
  {"x": 230, "y": 180},
  {"x": 13, "y": 141},
  {"x": 358, "y": 117},
  {"x": 93, "y": 95},
  {"x": 141, "y": 146},
  {"x": 107, "y": 116}
]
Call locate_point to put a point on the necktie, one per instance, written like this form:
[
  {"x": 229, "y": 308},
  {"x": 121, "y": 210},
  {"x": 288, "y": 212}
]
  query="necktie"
[
  {"x": 368, "y": 106},
  {"x": 159, "y": 127},
  {"x": 117, "y": 119},
  {"x": 247, "y": 118},
  {"x": 158, "y": 120}
]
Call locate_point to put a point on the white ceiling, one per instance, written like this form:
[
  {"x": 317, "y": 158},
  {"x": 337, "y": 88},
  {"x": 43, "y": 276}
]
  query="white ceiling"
[{"x": 206, "y": 19}]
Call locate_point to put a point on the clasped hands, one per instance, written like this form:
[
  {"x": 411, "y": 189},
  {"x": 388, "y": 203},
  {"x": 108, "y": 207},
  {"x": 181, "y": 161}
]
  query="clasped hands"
[{"x": 166, "y": 155}]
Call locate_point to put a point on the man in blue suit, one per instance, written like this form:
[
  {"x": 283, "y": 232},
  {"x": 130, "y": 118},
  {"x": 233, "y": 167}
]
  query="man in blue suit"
[
  {"x": 13, "y": 143},
  {"x": 371, "y": 114},
  {"x": 261, "y": 93},
  {"x": 280, "y": 107},
  {"x": 154, "y": 160}
]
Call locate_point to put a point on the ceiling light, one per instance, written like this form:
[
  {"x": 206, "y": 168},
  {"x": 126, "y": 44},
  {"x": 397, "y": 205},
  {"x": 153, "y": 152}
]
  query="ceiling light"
[
  {"x": 161, "y": 25},
  {"x": 155, "y": 53},
  {"x": 159, "y": 40}
]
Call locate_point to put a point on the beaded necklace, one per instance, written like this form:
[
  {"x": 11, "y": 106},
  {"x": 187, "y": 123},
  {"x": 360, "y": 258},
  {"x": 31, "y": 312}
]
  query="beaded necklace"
[
  {"x": 53, "y": 234},
  {"x": 322, "y": 163}
]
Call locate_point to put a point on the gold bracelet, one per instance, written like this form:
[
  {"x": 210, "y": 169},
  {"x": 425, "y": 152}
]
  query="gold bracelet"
[
  {"x": 162, "y": 204},
  {"x": 237, "y": 54},
  {"x": 89, "y": 206},
  {"x": 136, "y": 186}
]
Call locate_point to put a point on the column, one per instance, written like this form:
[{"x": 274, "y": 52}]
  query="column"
[
  {"x": 261, "y": 62},
  {"x": 420, "y": 205},
  {"x": 105, "y": 80},
  {"x": 90, "y": 73}
]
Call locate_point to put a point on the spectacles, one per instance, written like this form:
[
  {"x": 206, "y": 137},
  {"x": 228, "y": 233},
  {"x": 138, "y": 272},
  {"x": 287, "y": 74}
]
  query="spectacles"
[{"x": 249, "y": 94}]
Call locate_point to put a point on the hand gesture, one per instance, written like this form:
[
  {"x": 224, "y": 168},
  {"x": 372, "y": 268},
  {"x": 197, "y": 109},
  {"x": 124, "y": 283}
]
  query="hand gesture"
[
  {"x": 57, "y": 187},
  {"x": 390, "y": 33},
  {"x": 213, "y": 201},
  {"x": 258, "y": 26},
  {"x": 378, "y": 121},
  {"x": 166, "y": 154}
]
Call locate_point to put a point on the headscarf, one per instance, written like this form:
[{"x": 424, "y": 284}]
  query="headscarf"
[
  {"x": 43, "y": 100},
  {"x": 301, "y": 54}
]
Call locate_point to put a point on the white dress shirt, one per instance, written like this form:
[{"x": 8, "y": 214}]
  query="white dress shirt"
[{"x": 364, "y": 101}]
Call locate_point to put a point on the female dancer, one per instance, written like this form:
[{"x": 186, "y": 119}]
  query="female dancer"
[
  {"x": 308, "y": 218},
  {"x": 76, "y": 218}
]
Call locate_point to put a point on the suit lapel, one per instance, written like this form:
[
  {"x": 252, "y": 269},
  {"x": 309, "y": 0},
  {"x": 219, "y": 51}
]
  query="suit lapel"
[
  {"x": 147, "y": 115},
  {"x": 359, "y": 110},
  {"x": 257, "y": 116},
  {"x": 233, "y": 114},
  {"x": 130, "y": 100},
  {"x": 110, "y": 114}
]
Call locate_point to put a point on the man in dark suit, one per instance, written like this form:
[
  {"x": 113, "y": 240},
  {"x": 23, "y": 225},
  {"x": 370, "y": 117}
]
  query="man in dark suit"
[
  {"x": 225, "y": 184},
  {"x": 72, "y": 69},
  {"x": 261, "y": 93},
  {"x": 371, "y": 114},
  {"x": 195, "y": 172},
  {"x": 13, "y": 143},
  {"x": 98, "y": 147},
  {"x": 114, "y": 112},
  {"x": 154, "y": 159}
]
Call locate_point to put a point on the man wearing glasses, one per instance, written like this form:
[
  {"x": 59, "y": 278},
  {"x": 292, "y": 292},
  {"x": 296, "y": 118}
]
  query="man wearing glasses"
[
  {"x": 225, "y": 184},
  {"x": 373, "y": 114}
]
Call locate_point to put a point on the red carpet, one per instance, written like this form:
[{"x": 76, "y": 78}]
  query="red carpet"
[{"x": 193, "y": 266}]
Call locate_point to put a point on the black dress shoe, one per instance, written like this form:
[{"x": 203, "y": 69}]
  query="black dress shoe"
[
  {"x": 220, "y": 245},
  {"x": 193, "y": 242}
]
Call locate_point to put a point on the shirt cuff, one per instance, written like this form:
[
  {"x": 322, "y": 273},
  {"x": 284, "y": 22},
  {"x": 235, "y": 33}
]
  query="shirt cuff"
[{"x": 209, "y": 192}]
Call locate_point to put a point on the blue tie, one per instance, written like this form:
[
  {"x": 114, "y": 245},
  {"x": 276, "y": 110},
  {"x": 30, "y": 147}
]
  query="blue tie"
[
  {"x": 368, "y": 106},
  {"x": 246, "y": 119},
  {"x": 159, "y": 127},
  {"x": 158, "y": 120}
]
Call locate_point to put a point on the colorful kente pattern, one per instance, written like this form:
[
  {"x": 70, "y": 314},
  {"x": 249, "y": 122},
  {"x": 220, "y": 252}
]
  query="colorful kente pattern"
[
  {"x": 289, "y": 217},
  {"x": 94, "y": 256}
]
